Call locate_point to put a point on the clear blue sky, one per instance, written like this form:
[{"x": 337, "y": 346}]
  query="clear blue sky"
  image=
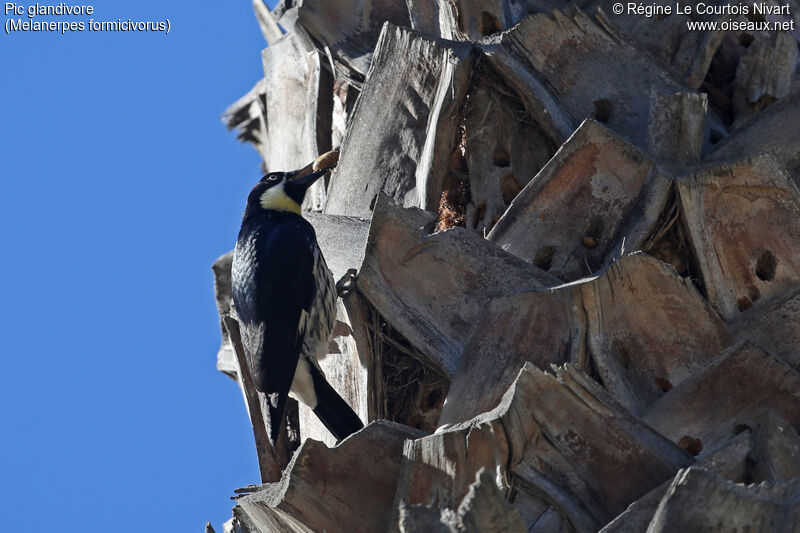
[{"x": 120, "y": 188}]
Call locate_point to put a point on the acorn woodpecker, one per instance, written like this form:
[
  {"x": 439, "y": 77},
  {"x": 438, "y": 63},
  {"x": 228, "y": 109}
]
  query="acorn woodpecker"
[{"x": 285, "y": 299}]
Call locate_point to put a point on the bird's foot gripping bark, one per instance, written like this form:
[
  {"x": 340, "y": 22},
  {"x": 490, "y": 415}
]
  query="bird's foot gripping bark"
[{"x": 346, "y": 284}]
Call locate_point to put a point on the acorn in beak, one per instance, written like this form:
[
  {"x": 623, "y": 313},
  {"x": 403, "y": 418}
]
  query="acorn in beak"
[{"x": 299, "y": 181}]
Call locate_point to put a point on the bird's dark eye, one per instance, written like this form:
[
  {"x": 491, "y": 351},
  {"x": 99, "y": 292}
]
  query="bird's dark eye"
[{"x": 273, "y": 177}]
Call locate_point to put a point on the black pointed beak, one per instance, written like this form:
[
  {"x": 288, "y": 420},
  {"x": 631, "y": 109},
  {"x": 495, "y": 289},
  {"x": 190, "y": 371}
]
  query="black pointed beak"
[
  {"x": 296, "y": 187},
  {"x": 304, "y": 182}
]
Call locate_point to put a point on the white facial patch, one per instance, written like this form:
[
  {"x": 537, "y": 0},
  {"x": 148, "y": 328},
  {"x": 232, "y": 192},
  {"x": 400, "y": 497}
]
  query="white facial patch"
[{"x": 276, "y": 198}]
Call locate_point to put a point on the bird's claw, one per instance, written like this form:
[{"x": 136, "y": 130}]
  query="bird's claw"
[{"x": 346, "y": 284}]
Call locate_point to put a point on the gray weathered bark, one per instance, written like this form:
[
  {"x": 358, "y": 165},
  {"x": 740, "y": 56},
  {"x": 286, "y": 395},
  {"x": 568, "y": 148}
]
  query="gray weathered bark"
[
  {"x": 726, "y": 397},
  {"x": 404, "y": 264},
  {"x": 402, "y": 131},
  {"x": 559, "y": 437},
  {"x": 347, "y": 488}
]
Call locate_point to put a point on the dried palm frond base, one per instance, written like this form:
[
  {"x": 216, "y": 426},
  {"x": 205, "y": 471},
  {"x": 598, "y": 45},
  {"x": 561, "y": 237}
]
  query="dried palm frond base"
[{"x": 408, "y": 389}]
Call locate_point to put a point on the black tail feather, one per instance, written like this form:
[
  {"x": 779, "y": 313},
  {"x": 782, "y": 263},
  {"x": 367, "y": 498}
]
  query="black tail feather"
[{"x": 332, "y": 410}]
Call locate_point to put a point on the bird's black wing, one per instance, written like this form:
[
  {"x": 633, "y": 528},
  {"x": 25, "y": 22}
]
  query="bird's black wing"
[{"x": 273, "y": 291}]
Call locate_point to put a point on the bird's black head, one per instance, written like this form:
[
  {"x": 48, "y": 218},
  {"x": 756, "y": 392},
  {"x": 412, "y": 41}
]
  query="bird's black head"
[{"x": 281, "y": 191}]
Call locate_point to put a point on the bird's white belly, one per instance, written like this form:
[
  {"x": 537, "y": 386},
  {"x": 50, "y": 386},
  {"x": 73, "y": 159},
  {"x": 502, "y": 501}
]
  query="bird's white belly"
[{"x": 302, "y": 388}]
